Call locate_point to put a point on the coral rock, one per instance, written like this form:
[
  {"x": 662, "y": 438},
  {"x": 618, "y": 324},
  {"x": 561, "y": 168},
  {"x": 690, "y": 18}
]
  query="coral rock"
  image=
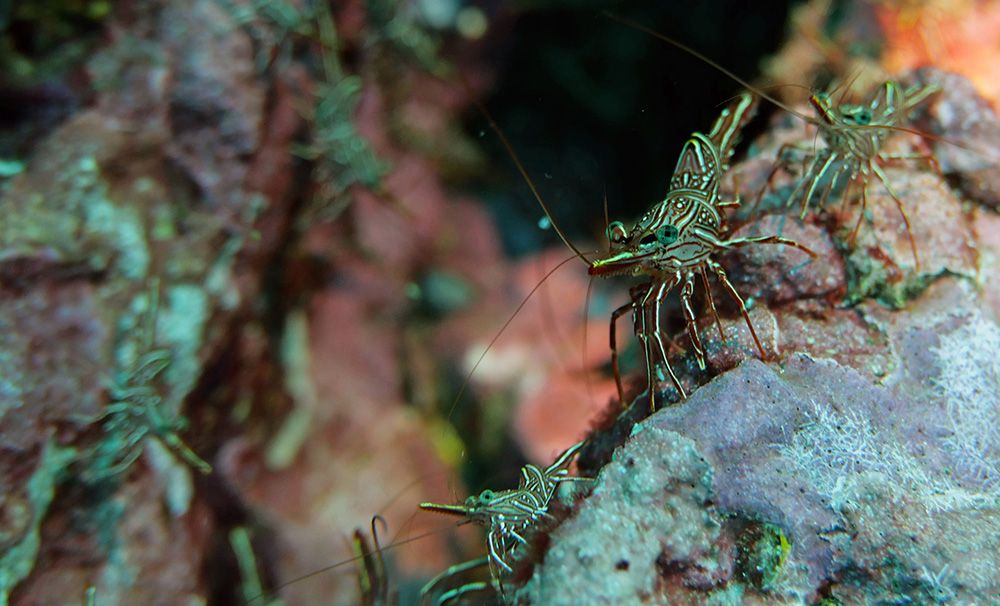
[
  {"x": 778, "y": 274},
  {"x": 860, "y": 478}
]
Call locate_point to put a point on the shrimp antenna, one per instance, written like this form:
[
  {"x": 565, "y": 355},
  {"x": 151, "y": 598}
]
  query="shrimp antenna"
[
  {"x": 607, "y": 219},
  {"x": 482, "y": 356},
  {"x": 378, "y": 565},
  {"x": 988, "y": 154},
  {"x": 351, "y": 560},
  {"x": 848, "y": 86},
  {"x": 520, "y": 167},
  {"x": 379, "y": 548},
  {"x": 763, "y": 95},
  {"x": 687, "y": 49}
]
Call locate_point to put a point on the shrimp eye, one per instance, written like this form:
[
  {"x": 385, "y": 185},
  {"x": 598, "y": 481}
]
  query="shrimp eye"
[
  {"x": 667, "y": 234},
  {"x": 486, "y": 496},
  {"x": 616, "y": 232},
  {"x": 857, "y": 115}
]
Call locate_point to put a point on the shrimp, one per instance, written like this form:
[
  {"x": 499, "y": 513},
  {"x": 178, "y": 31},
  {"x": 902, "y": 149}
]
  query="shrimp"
[
  {"x": 510, "y": 515},
  {"x": 855, "y": 136},
  {"x": 675, "y": 241}
]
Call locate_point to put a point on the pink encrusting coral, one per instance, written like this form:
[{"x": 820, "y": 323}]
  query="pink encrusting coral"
[{"x": 956, "y": 35}]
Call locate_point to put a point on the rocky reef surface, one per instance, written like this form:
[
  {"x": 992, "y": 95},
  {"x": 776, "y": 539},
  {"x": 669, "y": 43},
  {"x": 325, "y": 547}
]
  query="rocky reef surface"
[{"x": 801, "y": 484}]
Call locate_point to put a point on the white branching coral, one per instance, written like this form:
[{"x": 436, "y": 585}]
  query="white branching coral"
[
  {"x": 840, "y": 443},
  {"x": 836, "y": 448},
  {"x": 970, "y": 386}
]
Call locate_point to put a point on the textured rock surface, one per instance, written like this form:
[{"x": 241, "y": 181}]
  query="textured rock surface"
[
  {"x": 649, "y": 509},
  {"x": 779, "y": 274},
  {"x": 970, "y": 122},
  {"x": 870, "y": 484}
]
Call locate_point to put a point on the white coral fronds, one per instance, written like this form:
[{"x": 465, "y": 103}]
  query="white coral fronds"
[
  {"x": 835, "y": 448},
  {"x": 970, "y": 385}
]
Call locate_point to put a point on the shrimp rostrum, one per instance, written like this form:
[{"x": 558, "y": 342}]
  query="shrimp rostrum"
[{"x": 676, "y": 241}]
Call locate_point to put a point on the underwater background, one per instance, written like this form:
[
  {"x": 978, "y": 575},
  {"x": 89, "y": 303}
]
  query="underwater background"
[{"x": 274, "y": 274}]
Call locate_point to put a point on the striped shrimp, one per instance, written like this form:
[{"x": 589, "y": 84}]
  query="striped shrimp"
[
  {"x": 674, "y": 243},
  {"x": 854, "y": 137},
  {"x": 511, "y": 516}
]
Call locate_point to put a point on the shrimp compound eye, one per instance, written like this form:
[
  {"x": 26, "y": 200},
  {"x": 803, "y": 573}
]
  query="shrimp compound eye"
[
  {"x": 616, "y": 232},
  {"x": 857, "y": 115},
  {"x": 667, "y": 234},
  {"x": 486, "y": 496}
]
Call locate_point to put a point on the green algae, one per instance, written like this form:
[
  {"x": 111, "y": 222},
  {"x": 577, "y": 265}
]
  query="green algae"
[
  {"x": 297, "y": 363},
  {"x": 10, "y": 168},
  {"x": 762, "y": 550},
  {"x": 181, "y": 325},
  {"x": 174, "y": 476},
  {"x": 730, "y": 595},
  {"x": 874, "y": 276},
  {"x": 120, "y": 226},
  {"x": 74, "y": 215},
  {"x": 250, "y": 585},
  {"x": 892, "y": 294},
  {"x": 17, "y": 562},
  {"x": 870, "y": 278}
]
